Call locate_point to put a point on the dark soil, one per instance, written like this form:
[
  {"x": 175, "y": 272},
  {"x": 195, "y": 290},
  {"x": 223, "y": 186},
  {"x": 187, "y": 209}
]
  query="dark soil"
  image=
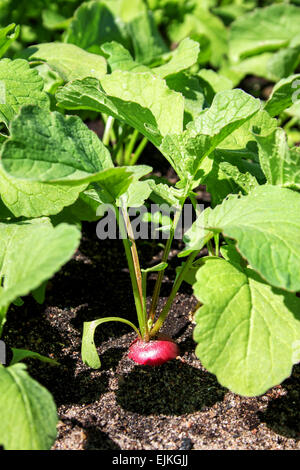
[{"x": 123, "y": 406}]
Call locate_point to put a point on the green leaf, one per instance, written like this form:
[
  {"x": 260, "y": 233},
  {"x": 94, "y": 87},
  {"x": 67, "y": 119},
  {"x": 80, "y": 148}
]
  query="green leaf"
[
  {"x": 182, "y": 58},
  {"x": 164, "y": 194},
  {"x": 283, "y": 94},
  {"x": 194, "y": 95},
  {"x": 136, "y": 195},
  {"x": 88, "y": 349},
  {"x": 202, "y": 23},
  {"x": 39, "y": 293},
  {"x": 31, "y": 252},
  {"x": 68, "y": 60},
  {"x": 230, "y": 110},
  {"x": 66, "y": 149},
  {"x": 213, "y": 82},
  {"x": 35, "y": 199},
  {"x": 158, "y": 267},
  {"x": 248, "y": 333},
  {"x": 283, "y": 63},
  {"x": 264, "y": 29},
  {"x": 255, "y": 65},
  {"x": 260, "y": 123},
  {"x": 146, "y": 39},
  {"x": 14, "y": 74},
  {"x": 280, "y": 164},
  {"x": 245, "y": 181},
  {"x": 120, "y": 58},
  {"x": 93, "y": 24},
  {"x": 28, "y": 412},
  {"x": 226, "y": 172},
  {"x": 266, "y": 226},
  {"x": 54, "y": 21},
  {"x": 143, "y": 101},
  {"x": 20, "y": 354},
  {"x": 8, "y": 35},
  {"x": 114, "y": 182}
]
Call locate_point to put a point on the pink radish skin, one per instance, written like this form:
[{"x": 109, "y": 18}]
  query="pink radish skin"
[{"x": 153, "y": 353}]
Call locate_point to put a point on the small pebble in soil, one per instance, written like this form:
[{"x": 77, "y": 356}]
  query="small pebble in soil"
[{"x": 186, "y": 444}]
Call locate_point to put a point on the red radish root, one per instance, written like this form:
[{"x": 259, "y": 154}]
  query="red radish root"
[{"x": 154, "y": 352}]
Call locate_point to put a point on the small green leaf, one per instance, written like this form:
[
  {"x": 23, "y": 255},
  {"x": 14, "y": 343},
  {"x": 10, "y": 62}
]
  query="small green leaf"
[
  {"x": 136, "y": 195},
  {"x": 282, "y": 95},
  {"x": 88, "y": 349},
  {"x": 280, "y": 164},
  {"x": 156, "y": 268},
  {"x": 120, "y": 58},
  {"x": 39, "y": 293},
  {"x": 227, "y": 172},
  {"x": 182, "y": 58},
  {"x": 28, "y": 412},
  {"x": 8, "y": 35},
  {"x": 164, "y": 194},
  {"x": 20, "y": 354},
  {"x": 247, "y": 332}
]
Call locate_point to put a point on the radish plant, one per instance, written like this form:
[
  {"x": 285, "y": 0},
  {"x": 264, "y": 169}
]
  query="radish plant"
[
  {"x": 55, "y": 173},
  {"x": 248, "y": 328}
]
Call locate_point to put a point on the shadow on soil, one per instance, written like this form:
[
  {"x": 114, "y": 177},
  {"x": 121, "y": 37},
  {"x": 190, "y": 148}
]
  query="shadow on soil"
[
  {"x": 283, "y": 414},
  {"x": 172, "y": 389},
  {"x": 98, "y": 440}
]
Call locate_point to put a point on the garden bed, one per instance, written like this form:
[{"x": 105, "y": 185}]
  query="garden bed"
[{"x": 123, "y": 406}]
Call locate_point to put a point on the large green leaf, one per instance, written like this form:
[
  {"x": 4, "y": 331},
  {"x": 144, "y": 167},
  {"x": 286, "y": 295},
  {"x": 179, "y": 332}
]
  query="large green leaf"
[
  {"x": 280, "y": 164},
  {"x": 248, "y": 333},
  {"x": 264, "y": 29},
  {"x": 266, "y": 226},
  {"x": 93, "y": 24},
  {"x": 68, "y": 60},
  {"x": 31, "y": 252},
  {"x": 34, "y": 199},
  {"x": 142, "y": 100},
  {"x": 28, "y": 412},
  {"x": 64, "y": 150},
  {"x": 20, "y": 85}
]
